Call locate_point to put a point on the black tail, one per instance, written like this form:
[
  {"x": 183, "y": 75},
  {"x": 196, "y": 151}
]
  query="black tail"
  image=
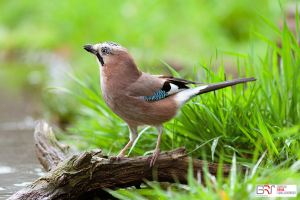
[{"x": 224, "y": 84}]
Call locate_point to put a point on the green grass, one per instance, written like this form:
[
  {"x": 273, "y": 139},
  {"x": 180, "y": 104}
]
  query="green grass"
[
  {"x": 234, "y": 125},
  {"x": 237, "y": 186}
]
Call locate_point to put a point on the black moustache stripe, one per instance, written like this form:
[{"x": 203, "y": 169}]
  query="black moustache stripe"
[{"x": 100, "y": 59}]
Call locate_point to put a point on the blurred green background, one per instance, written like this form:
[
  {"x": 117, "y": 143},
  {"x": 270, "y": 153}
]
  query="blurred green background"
[
  {"x": 180, "y": 32},
  {"x": 39, "y": 39},
  {"x": 41, "y": 49}
]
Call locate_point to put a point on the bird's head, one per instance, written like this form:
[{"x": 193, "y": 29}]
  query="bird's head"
[
  {"x": 114, "y": 61},
  {"x": 107, "y": 52}
]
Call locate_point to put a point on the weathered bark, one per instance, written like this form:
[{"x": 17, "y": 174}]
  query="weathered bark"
[
  {"x": 70, "y": 177},
  {"x": 48, "y": 150}
]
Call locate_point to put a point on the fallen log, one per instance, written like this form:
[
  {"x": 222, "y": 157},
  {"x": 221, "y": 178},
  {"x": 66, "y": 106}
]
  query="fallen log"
[{"x": 76, "y": 177}]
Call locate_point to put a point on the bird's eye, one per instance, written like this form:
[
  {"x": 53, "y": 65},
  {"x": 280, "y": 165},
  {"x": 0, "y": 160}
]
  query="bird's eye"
[{"x": 104, "y": 50}]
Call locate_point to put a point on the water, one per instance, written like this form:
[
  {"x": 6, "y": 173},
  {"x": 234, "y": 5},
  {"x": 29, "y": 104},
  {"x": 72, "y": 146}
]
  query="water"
[
  {"x": 19, "y": 165},
  {"x": 20, "y": 104}
]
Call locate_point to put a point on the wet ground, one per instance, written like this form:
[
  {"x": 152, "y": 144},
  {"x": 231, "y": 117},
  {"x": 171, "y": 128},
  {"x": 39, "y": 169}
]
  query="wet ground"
[{"x": 19, "y": 165}]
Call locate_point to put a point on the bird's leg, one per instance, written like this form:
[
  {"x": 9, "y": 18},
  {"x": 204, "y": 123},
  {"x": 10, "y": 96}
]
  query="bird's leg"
[
  {"x": 121, "y": 154},
  {"x": 133, "y": 135},
  {"x": 154, "y": 156}
]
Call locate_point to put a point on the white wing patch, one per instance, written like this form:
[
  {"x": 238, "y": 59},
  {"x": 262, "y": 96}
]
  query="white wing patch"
[
  {"x": 185, "y": 95},
  {"x": 174, "y": 89}
]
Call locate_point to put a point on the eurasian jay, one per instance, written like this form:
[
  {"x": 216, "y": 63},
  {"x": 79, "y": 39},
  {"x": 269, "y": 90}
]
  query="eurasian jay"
[{"x": 142, "y": 99}]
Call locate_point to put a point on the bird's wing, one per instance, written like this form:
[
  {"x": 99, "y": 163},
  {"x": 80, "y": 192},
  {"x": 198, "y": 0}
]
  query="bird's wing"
[
  {"x": 156, "y": 87},
  {"x": 180, "y": 80}
]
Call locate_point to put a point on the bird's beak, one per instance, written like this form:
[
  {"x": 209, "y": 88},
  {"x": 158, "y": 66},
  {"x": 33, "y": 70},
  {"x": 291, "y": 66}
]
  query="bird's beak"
[{"x": 89, "y": 48}]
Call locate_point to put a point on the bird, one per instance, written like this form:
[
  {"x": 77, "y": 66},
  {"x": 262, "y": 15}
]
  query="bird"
[{"x": 140, "y": 98}]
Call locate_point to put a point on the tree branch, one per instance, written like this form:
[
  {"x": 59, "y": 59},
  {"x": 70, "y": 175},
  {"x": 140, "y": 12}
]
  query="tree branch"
[{"x": 72, "y": 177}]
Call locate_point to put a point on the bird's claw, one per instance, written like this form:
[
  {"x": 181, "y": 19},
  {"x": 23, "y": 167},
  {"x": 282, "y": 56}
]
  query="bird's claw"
[
  {"x": 153, "y": 157},
  {"x": 118, "y": 157}
]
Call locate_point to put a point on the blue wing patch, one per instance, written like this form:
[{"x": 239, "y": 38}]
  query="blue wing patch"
[{"x": 157, "y": 96}]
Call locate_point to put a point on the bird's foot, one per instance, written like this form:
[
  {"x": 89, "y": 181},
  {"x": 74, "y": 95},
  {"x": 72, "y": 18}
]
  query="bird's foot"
[
  {"x": 154, "y": 157},
  {"x": 118, "y": 157}
]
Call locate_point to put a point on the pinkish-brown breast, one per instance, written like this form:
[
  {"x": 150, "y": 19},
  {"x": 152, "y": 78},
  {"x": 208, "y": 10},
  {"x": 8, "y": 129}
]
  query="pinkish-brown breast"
[{"x": 137, "y": 111}]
